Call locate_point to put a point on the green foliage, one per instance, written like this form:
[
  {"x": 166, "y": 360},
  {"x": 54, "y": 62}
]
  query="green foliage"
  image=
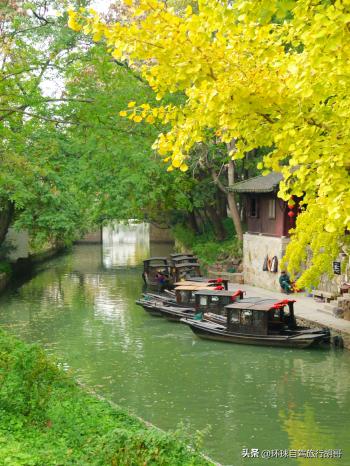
[
  {"x": 46, "y": 419},
  {"x": 26, "y": 378},
  {"x": 209, "y": 250},
  {"x": 5, "y": 267}
]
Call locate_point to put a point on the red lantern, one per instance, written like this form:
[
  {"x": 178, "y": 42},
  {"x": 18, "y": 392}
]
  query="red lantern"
[
  {"x": 291, "y": 214},
  {"x": 290, "y": 206}
]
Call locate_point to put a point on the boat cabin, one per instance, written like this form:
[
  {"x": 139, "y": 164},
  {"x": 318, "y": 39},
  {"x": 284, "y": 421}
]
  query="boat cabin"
[
  {"x": 156, "y": 271},
  {"x": 185, "y": 270},
  {"x": 262, "y": 317},
  {"x": 185, "y": 294},
  {"x": 210, "y": 300}
]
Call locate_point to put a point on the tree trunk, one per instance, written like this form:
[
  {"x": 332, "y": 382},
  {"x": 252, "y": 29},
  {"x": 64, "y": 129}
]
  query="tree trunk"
[
  {"x": 199, "y": 220},
  {"x": 235, "y": 215},
  {"x": 221, "y": 202},
  {"x": 6, "y": 215},
  {"x": 232, "y": 201},
  {"x": 218, "y": 226},
  {"x": 192, "y": 221}
]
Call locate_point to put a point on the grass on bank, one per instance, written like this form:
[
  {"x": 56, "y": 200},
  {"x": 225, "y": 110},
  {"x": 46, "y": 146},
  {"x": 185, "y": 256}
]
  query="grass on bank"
[
  {"x": 209, "y": 250},
  {"x": 46, "y": 419}
]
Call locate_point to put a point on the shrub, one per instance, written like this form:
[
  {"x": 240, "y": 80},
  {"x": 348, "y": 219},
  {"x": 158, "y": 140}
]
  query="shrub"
[{"x": 26, "y": 378}]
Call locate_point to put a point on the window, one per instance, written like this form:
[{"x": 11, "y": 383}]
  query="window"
[
  {"x": 246, "y": 317},
  {"x": 213, "y": 302},
  {"x": 184, "y": 296},
  {"x": 253, "y": 212},
  {"x": 272, "y": 208},
  {"x": 203, "y": 301},
  {"x": 235, "y": 316}
]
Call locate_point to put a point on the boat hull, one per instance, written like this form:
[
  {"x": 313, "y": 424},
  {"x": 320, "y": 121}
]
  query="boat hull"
[
  {"x": 212, "y": 331},
  {"x": 149, "y": 307},
  {"x": 175, "y": 314}
]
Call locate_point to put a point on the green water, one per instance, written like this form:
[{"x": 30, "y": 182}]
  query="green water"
[{"x": 80, "y": 306}]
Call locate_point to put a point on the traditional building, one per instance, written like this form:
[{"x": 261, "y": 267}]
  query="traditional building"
[{"x": 268, "y": 222}]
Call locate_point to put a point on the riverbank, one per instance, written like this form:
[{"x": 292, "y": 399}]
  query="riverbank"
[
  {"x": 10, "y": 271},
  {"x": 46, "y": 418}
]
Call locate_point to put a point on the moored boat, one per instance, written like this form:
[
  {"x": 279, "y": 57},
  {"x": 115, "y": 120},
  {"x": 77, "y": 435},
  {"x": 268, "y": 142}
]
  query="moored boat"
[
  {"x": 215, "y": 300},
  {"x": 264, "y": 322}
]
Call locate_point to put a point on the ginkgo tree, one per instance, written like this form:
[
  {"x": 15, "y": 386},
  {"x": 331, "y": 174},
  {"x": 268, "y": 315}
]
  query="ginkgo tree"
[{"x": 260, "y": 73}]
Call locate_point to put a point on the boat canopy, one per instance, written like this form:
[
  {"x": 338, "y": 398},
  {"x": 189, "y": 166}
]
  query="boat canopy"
[
  {"x": 210, "y": 291},
  {"x": 164, "y": 259},
  {"x": 262, "y": 305},
  {"x": 194, "y": 283},
  {"x": 191, "y": 288}
]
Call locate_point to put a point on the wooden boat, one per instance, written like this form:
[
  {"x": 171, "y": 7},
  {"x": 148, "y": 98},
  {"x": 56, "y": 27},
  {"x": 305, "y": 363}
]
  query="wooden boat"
[
  {"x": 184, "y": 271},
  {"x": 159, "y": 273},
  {"x": 181, "y": 297},
  {"x": 184, "y": 293},
  {"x": 156, "y": 272},
  {"x": 149, "y": 305},
  {"x": 184, "y": 259},
  {"x": 264, "y": 322},
  {"x": 215, "y": 299}
]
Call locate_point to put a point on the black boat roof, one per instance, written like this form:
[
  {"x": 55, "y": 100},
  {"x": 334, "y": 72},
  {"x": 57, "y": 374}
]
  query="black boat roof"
[
  {"x": 156, "y": 259},
  {"x": 181, "y": 258},
  {"x": 178, "y": 254},
  {"x": 262, "y": 304}
]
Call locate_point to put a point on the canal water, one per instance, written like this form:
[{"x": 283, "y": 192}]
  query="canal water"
[{"x": 80, "y": 306}]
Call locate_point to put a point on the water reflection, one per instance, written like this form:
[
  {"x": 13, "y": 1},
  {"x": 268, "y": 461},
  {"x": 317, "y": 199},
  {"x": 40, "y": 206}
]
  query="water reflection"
[
  {"x": 83, "y": 311},
  {"x": 125, "y": 245}
]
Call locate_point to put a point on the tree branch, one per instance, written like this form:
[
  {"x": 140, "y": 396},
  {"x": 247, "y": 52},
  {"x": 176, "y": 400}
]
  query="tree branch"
[{"x": 218, "y": 182}]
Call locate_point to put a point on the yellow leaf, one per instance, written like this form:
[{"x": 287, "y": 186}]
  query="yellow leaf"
[
  {"x": 131, "y": 104},
  {"x": 177, "y": 163},
  {"x": 137, "y": 119},
  {"x": 123, "y": 113},
  {"x": 330, "y": 227}
]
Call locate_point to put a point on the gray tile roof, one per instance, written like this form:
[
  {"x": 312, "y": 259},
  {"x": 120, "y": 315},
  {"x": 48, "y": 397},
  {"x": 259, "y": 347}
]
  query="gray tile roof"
[{"x": 258, "y": 184}]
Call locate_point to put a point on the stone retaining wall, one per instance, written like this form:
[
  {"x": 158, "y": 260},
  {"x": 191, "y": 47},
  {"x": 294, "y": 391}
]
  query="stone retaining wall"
[
  {"x": 160, "y": 235},
  {"x": 255, "y": 249},
  {"x": 232, "y": 277},
  {"x": 94, "y": 237}
]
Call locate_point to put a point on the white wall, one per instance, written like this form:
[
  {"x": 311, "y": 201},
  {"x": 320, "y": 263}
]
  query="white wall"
[{"x": 255, "y": 249}]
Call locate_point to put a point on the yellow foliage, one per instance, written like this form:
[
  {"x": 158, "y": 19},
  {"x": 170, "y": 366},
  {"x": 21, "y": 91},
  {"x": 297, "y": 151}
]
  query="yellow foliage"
[{"x": 267, "y": 74}]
